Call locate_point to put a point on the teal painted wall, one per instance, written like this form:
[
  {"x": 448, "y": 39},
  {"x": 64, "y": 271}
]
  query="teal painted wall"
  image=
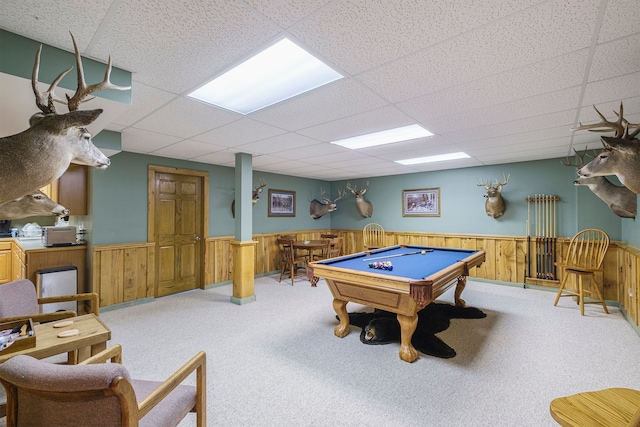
[
  {"x": 462, "y": 202},
  {"x": 119, "y": 202}
]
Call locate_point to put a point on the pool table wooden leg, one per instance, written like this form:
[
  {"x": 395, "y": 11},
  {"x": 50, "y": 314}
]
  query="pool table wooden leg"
[
  {"x": 462, "y": 282},
  {"x": 341, "y": 309},
  {"x": 408, "y": 326}
]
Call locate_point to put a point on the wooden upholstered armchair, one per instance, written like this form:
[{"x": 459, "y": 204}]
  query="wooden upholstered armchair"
[
  {"x": 99, "y": 394},
  {"x": 611, "y": 407},
  {"x": 18, "y": 300},
  {"x": 584, "y": 259},
  {"x": 373, "y": 236}
]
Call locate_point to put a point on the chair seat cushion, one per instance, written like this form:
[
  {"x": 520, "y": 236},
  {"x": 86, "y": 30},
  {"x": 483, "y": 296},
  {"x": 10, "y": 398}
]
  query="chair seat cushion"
[{"x": 171, "y": 410}]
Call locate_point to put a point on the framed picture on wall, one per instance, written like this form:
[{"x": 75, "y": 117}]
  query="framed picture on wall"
[
  {"x": 282, "y": 203},
  {"x": 421, "y": 202}
]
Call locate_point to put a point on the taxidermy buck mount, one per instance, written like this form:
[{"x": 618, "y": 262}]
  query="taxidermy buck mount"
[
  {"x": 35, "y": 203},
  {"x": 495, "y": 204},
  {"x": 255, "y": 196},
  {"x": 621, "y": 153},
  {"x": 622, "y": 201},
  {"x": 36, "y": 157},
  {"x": 364, "y": 207},
  {"x": 318, "y": 209}
]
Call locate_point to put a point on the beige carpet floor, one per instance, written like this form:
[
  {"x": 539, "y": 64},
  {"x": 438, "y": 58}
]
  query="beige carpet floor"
[{"x": 276, "y": 361}]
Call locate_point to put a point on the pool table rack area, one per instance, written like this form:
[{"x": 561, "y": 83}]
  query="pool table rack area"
[{"x": 420, "y": 275}]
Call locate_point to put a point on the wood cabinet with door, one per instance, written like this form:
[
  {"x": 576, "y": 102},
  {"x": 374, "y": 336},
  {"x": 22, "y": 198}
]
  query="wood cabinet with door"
[
  {"x": 5, "y": 262},
  {"x": 18, "y": 263},
  {"x": 70, "y": 190}
]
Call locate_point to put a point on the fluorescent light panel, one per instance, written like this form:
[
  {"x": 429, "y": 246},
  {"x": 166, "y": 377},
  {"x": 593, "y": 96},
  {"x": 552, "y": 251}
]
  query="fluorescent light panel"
[
  {"x": 389, "y": 136},
  {"x": 279, "y": 72},
  {"x": 431, "y": 159}
]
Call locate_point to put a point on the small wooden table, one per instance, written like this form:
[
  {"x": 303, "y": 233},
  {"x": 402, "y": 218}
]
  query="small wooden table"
[
  {"x": 310, "y": 246},
  {"x": 91, "y": 339}
]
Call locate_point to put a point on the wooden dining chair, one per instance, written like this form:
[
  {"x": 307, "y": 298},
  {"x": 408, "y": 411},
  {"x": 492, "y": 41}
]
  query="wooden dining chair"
[
  {"x": 289, "y": 261},
  {"x": 584, "y": 259},
  {"x": 611, "y": 407},
  {"x": 373, "y": 236}
]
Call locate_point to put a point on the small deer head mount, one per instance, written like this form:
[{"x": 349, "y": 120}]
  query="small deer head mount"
[
  {"x": 365, "y": 207},
  {"x": 495, "y": 204},
  {"x": 255, "y": 196},
  {"x": 318, "y": 209}
]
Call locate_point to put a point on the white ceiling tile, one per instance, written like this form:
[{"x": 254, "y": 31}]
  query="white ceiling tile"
[
  {"x": 145, "y": 100},
  {"x": 616, "y": 58},
  {"x": 186, "y": 118},
  {"x": 345, "y": 97},
  {"x": 239, "y": 132},
  {"x": 287, "y": 12},
  {"x": 621, "y": 19},
  {"x": 204, "y": 38},
  {"x": 188, "y": 149},
  {"x": 142, "y": 141}
]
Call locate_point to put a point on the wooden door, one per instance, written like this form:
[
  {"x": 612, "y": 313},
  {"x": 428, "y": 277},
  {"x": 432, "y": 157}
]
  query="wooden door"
[{"x": 178, "y": 223}]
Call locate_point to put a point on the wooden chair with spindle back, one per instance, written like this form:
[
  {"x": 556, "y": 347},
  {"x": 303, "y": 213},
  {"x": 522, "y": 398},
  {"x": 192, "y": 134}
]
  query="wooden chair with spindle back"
[
  {"x": 373, "y": 236},
  {"x": 584, "y": 259}
]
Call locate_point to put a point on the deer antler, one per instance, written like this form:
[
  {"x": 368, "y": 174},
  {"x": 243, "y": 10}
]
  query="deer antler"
[
  {"x": 85, "y": 90},
  {"x": 604, "y": 125},
  {"x": 580, "y": 156},
  {"x": 44, "y": 101},
  {"x": 481, "y": 183},
  {"x": 506, "y": 180}
]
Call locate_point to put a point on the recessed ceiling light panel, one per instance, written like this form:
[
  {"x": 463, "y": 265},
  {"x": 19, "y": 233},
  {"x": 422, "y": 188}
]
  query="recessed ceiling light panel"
[
  {"x": 389, "y": 136},
  {"x": 431, "y": 159},
  {"x": 279, "y": 72}
]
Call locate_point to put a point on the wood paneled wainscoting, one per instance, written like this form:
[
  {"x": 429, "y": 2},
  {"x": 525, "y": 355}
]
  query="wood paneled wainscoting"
[{"x": 123, "y": 273}]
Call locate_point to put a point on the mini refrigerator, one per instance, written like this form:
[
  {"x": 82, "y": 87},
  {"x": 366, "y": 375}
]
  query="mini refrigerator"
[{"x": 54, "y": 282}]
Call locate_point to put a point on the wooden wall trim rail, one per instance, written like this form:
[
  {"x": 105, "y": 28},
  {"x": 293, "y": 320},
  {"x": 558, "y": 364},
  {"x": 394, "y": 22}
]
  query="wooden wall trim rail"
[{"x": 124, "y": 272}]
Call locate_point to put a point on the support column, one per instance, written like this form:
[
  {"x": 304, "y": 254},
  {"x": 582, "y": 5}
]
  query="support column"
[{"x": 243, "y": 248}]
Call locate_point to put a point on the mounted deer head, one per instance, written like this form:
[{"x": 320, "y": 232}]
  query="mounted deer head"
[
  {"x": 36, "y": 157},
  {"x": 365, "y": 207},
  {"x": 621, "y": 153},
  {"x": 622, "y": 201},
  {"x": 495, "y": 204},
  {"x": 318, "y": 209},
  {"x": 33, "y": 204},
  {"x": 255, "y": 196}
]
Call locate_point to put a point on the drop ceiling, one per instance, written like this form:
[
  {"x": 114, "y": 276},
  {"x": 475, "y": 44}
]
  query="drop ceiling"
[{"x": 502, "y": 80}]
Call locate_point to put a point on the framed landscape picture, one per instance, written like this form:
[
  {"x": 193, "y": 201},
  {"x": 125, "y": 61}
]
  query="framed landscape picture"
[
  {"x": 282, "y": 203},
  {"x": 421, "y": 202}
]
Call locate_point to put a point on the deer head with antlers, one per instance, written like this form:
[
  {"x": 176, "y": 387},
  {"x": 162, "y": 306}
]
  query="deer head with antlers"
[
  {"x": 622, "y": 201},
  {"x": 255, "y": 196},
  {"x": 621, "y": 153},
  {"x": 34, "y": 158},
  {"x": 318, "y": 209},
  {"x": 364, "y": 207},
  {"x": 495, "y": 204}
]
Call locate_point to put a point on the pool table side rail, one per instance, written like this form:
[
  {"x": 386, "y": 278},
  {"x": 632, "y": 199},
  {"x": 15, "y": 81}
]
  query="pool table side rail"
[
  {"x": 423, "y": 291},
  {"x": 426, "y": 290}
]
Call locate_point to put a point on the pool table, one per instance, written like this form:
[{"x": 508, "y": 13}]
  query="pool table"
[{"x": 420, "y": 274}]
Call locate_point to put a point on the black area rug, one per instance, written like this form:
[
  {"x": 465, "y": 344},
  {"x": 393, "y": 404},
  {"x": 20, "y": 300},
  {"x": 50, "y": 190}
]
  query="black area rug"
[{"x": 382, "y": 327}]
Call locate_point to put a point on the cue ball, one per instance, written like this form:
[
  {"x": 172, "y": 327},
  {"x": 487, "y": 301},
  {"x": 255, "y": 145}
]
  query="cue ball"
[{"x": 423, "y": 252}]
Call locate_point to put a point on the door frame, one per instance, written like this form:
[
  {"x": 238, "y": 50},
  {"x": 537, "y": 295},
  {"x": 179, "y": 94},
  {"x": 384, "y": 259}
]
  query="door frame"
[{"x": 151, "y": 213}]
